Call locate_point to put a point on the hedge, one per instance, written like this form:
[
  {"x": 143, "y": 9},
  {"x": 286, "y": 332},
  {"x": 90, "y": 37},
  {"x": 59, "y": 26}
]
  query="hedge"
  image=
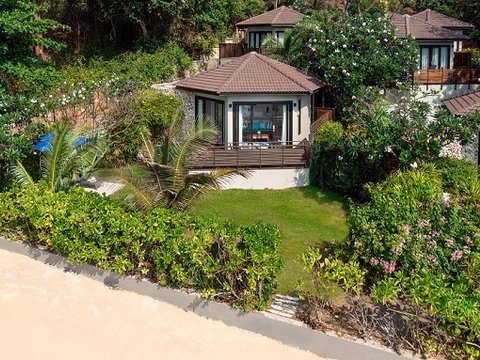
[{"x": 224, "y": 261}]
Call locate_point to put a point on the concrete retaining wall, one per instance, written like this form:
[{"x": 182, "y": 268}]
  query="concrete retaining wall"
[{"x": 270, "y": 179}]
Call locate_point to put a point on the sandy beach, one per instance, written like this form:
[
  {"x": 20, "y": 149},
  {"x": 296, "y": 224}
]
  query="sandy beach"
[{"x": 47, "y": 313}]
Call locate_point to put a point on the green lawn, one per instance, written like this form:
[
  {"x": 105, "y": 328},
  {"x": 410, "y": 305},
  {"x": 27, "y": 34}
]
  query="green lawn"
[{"x": 306, "y": 216}]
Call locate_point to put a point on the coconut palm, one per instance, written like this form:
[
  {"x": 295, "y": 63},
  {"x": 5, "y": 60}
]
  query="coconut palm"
[
  {"x": 165, "y": 178},
  {"x": 70, "y": 155}
]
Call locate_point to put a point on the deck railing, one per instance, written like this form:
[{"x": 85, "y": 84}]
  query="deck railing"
[
  {"x": 230, "y": 50},
  {"x": 447, "y": 76},
  {"x": 254, "y": 155},
  {"x": 321, "y": 116}
]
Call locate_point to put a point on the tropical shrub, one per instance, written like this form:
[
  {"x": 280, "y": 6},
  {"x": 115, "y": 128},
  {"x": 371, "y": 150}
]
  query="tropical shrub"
[
  {"x": 167, "y": 179},
  {"x": 417, "y": 243},
  {"x": 70, "y": 155},
  {"x": 380, "y": 139},
  {"x": 224, "y": 261},
  {"x": 156, "y": 110}
]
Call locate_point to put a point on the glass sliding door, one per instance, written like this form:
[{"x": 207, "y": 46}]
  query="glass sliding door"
[
  {"x": 214, "y": 111},
  {"x": 263, "y": 123}
]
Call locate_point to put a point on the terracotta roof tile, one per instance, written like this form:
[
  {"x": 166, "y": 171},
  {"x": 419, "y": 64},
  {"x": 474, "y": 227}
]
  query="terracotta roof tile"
[
  {"x": 464, "y": 104},
  {"x": 422, "y": 30},
  {"x": 252, "y": 74},
  {"x": 282, "y": 16},
  {"x": 438, "y": 19}
]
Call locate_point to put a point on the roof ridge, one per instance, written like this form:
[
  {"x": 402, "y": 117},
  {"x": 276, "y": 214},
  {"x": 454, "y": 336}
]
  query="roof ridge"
[
  {"x": 240, "y": 67},
  {"x": 264, "y": 59},
  {"x": 281, "y": 10},
  {"x": 407, "y": 24}
]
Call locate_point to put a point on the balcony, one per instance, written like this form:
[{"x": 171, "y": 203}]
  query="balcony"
[
  {"x": 447, "y": 76},
  {"x": 232, "y": 50},
  {"x": 255, "y": 155}
]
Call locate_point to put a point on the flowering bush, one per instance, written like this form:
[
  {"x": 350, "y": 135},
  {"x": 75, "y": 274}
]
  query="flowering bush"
[
  {"x": 418, "y": 239},
  {"x": 348, "y": 51},
  {"x": 379, "y": 139}
]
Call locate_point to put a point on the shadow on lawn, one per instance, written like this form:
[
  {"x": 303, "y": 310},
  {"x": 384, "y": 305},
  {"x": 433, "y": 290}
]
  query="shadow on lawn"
[{"x": 323, "y": 197}]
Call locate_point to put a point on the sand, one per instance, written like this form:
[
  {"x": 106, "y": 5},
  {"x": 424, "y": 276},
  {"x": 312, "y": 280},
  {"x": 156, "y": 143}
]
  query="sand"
[{"x": 47, "y": 313}]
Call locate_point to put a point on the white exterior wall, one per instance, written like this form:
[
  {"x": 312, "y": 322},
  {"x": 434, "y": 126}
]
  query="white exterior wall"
[{"x": 269, "y": 179}]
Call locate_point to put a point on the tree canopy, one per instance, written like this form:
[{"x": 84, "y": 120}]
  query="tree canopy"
[{"x": 350, "y": 51}]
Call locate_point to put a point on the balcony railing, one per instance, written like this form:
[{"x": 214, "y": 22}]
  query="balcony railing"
[
  {"x": 255, "y": 155},
  {"x": 447, "y": 76},
  {"x": 230, "y": 50}
]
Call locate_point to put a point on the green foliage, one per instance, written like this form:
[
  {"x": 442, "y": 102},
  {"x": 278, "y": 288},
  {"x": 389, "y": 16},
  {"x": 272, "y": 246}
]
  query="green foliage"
[
  {"x": 350, "y": 51},
  {"x": 326, "y": 272},
  {"x": 66, "y": 161},
  {"x": 132, "y": 70},
  {"x": 379, "y": 139},
  {"x": 425, "y": 224},
  {"x": 21, "y": 30},
  {"x": 166, "y": 180},
  {"x": 475, "y": 54},
  {"x": 157, "y": 110},
  {"x": 224, "y": 261}
]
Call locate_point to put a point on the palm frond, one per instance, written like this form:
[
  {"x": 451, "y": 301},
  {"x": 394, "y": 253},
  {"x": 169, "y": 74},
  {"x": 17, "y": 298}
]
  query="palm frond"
[
  {"x": 21, "y": 174},
  {"x": 141, "y": 193}
]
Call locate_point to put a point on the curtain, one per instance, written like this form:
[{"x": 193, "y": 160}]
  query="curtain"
[
  {"x": 444, "y": 60},
  {"x": 425, "y": 59},
  {"x": 284, "y": 123},
  {"x": 435, "y": 57}
]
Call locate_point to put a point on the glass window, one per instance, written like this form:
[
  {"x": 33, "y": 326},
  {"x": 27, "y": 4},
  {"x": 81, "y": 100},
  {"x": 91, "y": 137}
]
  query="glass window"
[
  {"x": 266, "y": 122},
  {"x": 435, "y": 57},
  {"x": 281, "y": 37},
  {"x": 214, "y": 111}
]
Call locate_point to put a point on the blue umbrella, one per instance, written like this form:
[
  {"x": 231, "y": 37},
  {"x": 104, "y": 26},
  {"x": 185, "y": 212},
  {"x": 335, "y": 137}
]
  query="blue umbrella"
[{"x": 44, "y": 144}]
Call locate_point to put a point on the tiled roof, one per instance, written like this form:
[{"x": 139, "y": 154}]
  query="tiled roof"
[
  {"x": 464, "y": 104},
  {"x": 252, "y": 74},
  {"x": 438, "y": 19},
  {"x": 282, "y": 16},
  {"x": 422, "y": 30}
]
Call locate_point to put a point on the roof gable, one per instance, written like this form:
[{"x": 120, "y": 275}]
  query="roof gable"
[
  {"x": 282, "y": 16},
  {"x": 464, "y": 104},
  {"x": 422, "y": 30},
  {"x": 439, "y": 19},
  {"x": 252, "y": 74}
]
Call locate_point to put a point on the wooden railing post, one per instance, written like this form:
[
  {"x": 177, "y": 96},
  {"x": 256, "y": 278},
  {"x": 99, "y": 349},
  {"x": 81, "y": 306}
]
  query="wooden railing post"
[
  {"x": 283, "y": 156},
  {"x": 238, "y": 148}
]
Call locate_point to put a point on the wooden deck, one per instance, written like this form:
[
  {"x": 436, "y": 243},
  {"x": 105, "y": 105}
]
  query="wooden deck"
[
  {"x": 255, "y": 156},
  {"x": 447, "y": 76}
]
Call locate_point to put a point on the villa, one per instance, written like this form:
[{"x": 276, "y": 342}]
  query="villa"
[{"x": 253, "y": 32}]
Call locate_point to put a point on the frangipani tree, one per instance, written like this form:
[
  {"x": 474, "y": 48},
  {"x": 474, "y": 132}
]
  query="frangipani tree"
[{"x": 349, "y": 52}]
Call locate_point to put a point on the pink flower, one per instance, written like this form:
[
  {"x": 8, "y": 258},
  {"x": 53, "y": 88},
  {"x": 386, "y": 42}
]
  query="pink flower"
[
  {"x": 443, "y": 219},
  {"x": 407, "y": 229},
  {"x": 433, "y": 233},
  {"x": 456, "y": 255},
  {"x": 374, "y": 261},
  {"x": 450, "y": 242},
  {"x": 431, "y": 258},
  {"x": 389, "y": 267},
  {"x": 431, "y": 244}
]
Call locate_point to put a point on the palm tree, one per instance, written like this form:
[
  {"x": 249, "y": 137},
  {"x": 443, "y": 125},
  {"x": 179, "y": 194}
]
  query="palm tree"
[
  {"x": 165, "y": 178},
  {"x": 71, "y": 154}
]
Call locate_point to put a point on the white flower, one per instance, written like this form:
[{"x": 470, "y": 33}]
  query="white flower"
[
  {"x": 344, "y": 46},
  {"x": 333, "y": 67},
  {"x": 414, "y": 165}
]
